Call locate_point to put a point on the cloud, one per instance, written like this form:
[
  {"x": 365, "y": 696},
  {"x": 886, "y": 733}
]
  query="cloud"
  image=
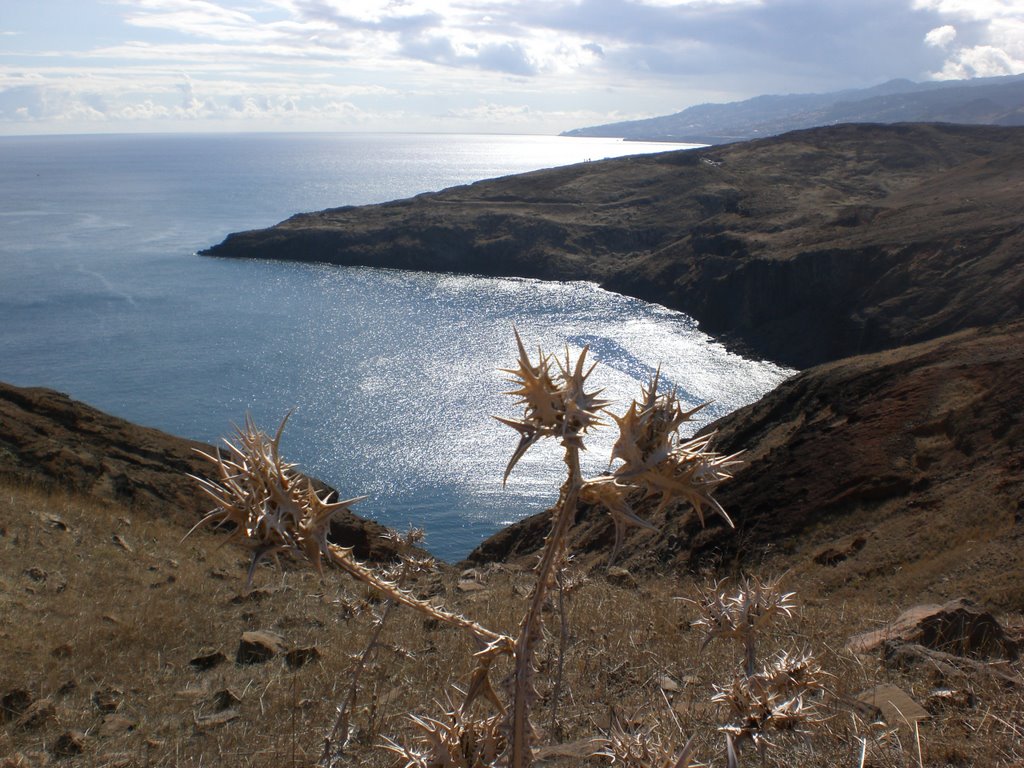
[
  {"x": 989, "y": 37},
  {"x": 507, "y": 57},
  {"x": 941, "y": 37}
]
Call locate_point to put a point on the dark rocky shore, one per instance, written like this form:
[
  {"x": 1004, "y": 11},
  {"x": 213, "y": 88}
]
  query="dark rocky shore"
[{"x": 803, "y": 248}]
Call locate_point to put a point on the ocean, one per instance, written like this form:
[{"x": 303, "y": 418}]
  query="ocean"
[{"x": 392, "y": 377}]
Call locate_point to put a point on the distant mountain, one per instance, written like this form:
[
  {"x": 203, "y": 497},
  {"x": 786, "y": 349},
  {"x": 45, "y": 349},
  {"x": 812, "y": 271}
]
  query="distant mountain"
[{"x": 981, "y": 101}]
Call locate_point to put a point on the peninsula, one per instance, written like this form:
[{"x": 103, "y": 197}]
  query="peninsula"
[{"x": 802, "y": 248}]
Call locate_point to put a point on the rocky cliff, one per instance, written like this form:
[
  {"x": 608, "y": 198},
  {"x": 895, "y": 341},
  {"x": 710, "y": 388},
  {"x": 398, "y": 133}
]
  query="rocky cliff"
[{"x": 803, "y": 248}]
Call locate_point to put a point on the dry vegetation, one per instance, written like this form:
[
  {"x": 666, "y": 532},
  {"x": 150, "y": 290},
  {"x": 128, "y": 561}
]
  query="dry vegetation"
[{"x": 108, "y": 613}]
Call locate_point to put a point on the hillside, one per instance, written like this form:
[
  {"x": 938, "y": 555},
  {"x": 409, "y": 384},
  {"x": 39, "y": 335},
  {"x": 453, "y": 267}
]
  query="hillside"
[
  {"x": 49, "y": 440},
  {"x": 805, "y": 248},
  {"x": 900, "y": 472},
  {"x": 981, "y": 101}
]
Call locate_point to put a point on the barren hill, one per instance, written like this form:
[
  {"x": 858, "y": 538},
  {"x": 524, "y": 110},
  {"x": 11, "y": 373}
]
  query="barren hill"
[
  {"x": 900, "y": 471},
  {"x": 803, "y": 248}
]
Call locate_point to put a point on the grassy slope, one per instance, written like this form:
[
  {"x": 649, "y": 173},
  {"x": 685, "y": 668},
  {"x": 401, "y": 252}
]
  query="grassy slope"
[{"x": 83, "y": 613}]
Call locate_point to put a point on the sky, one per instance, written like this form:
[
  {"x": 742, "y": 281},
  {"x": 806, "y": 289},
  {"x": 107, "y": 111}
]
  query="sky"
[{"x": 490, "y": 66}]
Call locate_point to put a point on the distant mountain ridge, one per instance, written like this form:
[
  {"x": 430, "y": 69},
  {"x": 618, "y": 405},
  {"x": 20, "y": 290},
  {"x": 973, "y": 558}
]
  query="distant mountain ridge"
[{"x": 981, "y": 101}]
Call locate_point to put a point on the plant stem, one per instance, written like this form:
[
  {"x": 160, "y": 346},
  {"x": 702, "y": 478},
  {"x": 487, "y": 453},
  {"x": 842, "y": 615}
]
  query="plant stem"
[{"x": 529, "y": 632}]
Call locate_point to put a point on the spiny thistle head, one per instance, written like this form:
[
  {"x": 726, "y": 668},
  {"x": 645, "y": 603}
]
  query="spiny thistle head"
[
  {"x": 642, "y": 748},
  {"x": 271, "y": 507},
  {"x": 649, "y": 429},
  {"x": 776, "y": 698},
  {"x": 657, "y": 464},
  {"x": 461, "y": 740},
  {"x": 755, "y": 604},
  {"x": 555, "y": 404}
]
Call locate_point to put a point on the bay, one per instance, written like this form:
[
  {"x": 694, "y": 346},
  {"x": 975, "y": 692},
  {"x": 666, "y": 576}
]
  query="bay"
[{"x": 392, "y": 377}]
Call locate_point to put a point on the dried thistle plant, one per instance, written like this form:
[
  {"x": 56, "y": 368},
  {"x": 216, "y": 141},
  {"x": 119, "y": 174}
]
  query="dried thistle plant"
[
  {"x": 643, "y": 748},
  {"x": 274, "y": 509},
  {"x": 461, "y": 740},
  {"x": 780, "y": 695},
  {"x": 655, "y": 464}
]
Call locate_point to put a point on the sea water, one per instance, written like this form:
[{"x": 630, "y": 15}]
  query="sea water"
[{"x": 392, "y": 377}]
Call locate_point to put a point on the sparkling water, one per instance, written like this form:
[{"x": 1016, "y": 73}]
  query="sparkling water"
[{"x": 393, "y": 376}]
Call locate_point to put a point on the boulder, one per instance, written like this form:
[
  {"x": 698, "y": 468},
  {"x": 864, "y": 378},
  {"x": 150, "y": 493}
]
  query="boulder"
[
  {"x": 957, "y": 627},
  {"x": 259, "y": 646}
]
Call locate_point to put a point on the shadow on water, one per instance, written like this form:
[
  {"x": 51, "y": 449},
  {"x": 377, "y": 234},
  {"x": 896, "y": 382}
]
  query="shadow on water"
[{"x": 611, "y": 353}]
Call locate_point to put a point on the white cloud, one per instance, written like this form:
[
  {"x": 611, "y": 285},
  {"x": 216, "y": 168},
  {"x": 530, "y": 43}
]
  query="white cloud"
[
  {"x": 996, "y": 46},
  {"x": 941, "y": 37},
  {"x": 475, "y": 64}
]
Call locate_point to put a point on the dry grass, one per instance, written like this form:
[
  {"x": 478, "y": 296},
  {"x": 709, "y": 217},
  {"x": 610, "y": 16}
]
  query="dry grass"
[{"x": 105, "y": 617}]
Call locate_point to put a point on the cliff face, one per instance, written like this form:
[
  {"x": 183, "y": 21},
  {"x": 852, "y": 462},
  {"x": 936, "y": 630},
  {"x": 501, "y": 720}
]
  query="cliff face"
[
  {"x": 803, "y": 248},
  {"x": 909, "y": 462},
  {"x": 46, "y": 438}
]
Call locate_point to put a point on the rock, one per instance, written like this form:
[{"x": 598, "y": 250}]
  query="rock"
[
  {"x": 835, "y": 554},
  {"x": 107, "y": 700},
  {"x": 69, "y": 744},
  {"x": 206, "y": 722},
  {"x": 225, "y": 698},
  {"x": 621, "y": 576},
  {"x": 259, "y": 646},
  {"x": 14, "y": 703},
  {"x": 115, "y": 725},
  {"x": 207, "y": 661},
  {"x": 36, "y": 714},
  {"x": 299, "y": 657},
  {"x": 957, "y": 627},
  {"x": 894, "y": 704}
]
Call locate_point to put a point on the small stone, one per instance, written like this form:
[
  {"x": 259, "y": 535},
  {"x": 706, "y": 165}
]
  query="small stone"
[
  {"x": 115, "y": 725},
  {"x": 252, "y": 596},
  {"x": 299, "y": 657},
  {"x": 56, "y": 523},
  {"x": 949, "y": 698},
  {"x": 205, "y": 661},
  {"x": 618, "y": 575},
  {"x": 69, "y": 744},
  {"x": 62, "y": 651},
  {"x": 36, "y": 574},
  {"x": 259, "y": 646},
  {"x": 204, "y": 722},
  {"x": 107, "y": 699},
  {"x": 37, "y": 713},
  {"x": 668, "y": 685},
  {"x": 225, "y": 698},
  {"x": 14, "y": 703},
  {"x": 469, "y": 585},
  {"x": 895, "y": 705}
]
